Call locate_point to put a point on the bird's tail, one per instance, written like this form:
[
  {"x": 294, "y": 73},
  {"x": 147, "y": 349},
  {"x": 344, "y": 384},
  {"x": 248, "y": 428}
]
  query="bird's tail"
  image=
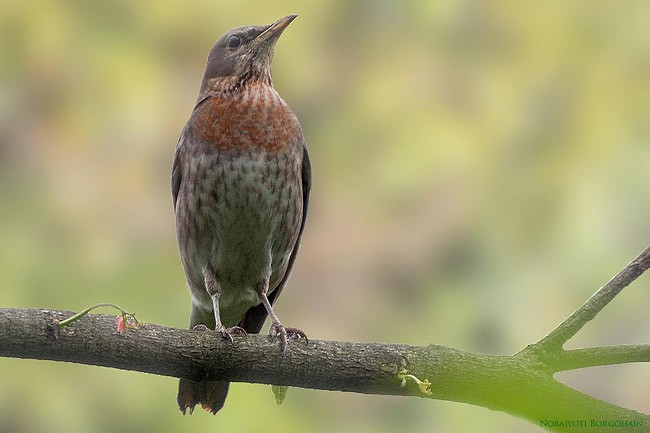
[{"x": 211, "y": 395}]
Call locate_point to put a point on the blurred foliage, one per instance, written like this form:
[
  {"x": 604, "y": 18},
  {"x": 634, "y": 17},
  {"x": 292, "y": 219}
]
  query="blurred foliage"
[{"x": 480, "y": 168}]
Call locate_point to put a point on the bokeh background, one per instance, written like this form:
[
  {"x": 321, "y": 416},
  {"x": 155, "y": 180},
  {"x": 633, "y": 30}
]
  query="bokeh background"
[{"x": 480, "y": 169}]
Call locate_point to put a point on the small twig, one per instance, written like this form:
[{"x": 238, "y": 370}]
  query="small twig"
[
  {"x": 567, "y": 329},
  {"x": 423, "y": 385},
  {"x": 125, "y": 314},
  {"x": 605, "y": 355}
]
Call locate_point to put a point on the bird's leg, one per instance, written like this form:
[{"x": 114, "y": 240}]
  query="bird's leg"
[
  {"x": 214, "y": 290},
  {"x": 277, "y": 329}
]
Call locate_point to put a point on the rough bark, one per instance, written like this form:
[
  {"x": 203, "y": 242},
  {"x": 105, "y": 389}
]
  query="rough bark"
[{"x": 519, "y": 384}]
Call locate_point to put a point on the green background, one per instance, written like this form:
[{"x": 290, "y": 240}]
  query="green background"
[{"x": 480, "y": 169}]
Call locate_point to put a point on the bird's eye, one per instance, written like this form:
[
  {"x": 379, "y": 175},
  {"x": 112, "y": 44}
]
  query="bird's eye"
[{"x": 234, "y": 41}]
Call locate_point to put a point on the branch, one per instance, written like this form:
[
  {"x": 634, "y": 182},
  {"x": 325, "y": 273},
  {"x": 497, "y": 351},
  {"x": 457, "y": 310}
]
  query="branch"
[
  {"x": 521, "y": 384},
  {"x": 596, "y": 356},
  {"x": 574, "y": 323},
  {"x": 511, "y": 384}
]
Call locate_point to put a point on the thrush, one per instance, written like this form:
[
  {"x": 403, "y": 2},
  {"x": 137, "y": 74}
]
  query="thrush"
[{"x": 240, "y": 184}]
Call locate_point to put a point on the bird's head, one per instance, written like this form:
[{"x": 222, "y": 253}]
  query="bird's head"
[{"x": 244, "y": 53}]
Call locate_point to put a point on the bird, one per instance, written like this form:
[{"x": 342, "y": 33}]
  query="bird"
[{"x": 241, "y": 179}]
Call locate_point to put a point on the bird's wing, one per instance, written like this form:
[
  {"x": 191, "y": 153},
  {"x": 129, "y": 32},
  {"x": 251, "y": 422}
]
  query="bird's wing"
[
  {"x": 254, "y": 318},
  {"x": 177, "y": 174},
  {"x": 176, "y": 171}
]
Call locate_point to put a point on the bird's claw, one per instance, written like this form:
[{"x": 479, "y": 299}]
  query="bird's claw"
[
  {"x": 226, "y": 333},
  {"x": 278, "y": 330},
  {"x": 295, "y": 333}
]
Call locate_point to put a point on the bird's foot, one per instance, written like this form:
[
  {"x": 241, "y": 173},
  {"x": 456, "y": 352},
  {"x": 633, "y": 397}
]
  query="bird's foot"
[
  {"x": 278, "y": 330},
  {"x": 226, "y": 333}
]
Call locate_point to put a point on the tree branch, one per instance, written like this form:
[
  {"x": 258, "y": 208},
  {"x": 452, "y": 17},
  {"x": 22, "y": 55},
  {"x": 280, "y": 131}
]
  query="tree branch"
[
  {"x": 512, "y": 384},
  {"x": 521, "y": 384},
  {"x": 574, "y": 323},
  {"x": 597, "y": 356}
]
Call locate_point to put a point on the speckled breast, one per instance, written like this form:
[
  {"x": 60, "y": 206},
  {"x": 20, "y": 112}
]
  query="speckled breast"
[{"x": 241, "y": 193}]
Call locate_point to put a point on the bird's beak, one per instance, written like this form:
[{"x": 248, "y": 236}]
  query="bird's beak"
[{"x": 275, "y": 30}]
